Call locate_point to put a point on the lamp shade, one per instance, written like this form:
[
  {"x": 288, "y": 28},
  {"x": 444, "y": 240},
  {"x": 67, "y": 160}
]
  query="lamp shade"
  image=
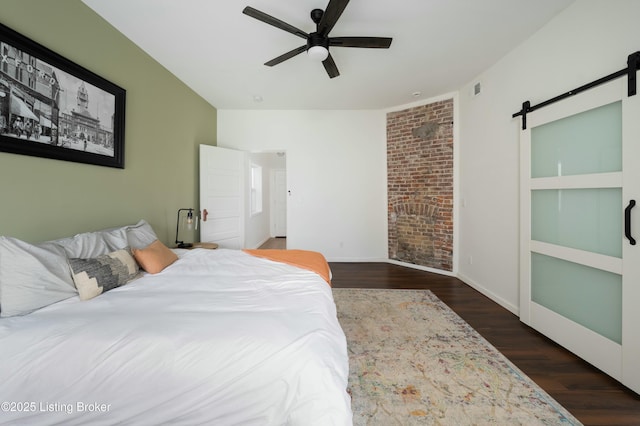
[
  {"x": 185, "y": 223},
  {"x": 318, "y": 53}
]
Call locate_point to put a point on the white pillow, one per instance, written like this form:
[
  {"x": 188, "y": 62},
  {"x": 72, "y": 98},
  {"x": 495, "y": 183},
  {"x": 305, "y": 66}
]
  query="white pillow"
[
  {"x": 140, "y": 235},
  {"x": 35, "y": 276},
  {"x": 93, "y": 244},
  {"x": 32, "y": 276}
]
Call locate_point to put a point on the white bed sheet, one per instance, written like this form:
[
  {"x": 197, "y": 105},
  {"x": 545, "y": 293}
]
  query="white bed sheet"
[{"x": 218, "y": 338}]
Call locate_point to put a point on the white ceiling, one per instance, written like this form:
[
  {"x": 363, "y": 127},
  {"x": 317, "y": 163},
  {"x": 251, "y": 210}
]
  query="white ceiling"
[{"x": 438, "y": 46}]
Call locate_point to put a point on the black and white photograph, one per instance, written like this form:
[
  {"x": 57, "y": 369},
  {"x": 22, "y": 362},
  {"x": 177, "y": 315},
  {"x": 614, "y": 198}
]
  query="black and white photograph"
[{"x": 53, "y": 108}]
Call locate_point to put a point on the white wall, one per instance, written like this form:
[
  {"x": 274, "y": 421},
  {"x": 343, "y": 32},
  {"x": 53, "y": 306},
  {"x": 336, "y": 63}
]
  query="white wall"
[
  {"x": 336, "y": 172},
  {"x": 590, "y": 39},
  {"x": 337, "y": 159}
]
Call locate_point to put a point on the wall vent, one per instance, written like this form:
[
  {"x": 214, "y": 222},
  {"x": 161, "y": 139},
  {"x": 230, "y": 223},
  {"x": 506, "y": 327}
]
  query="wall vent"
[{"x": 476, "y": 89}]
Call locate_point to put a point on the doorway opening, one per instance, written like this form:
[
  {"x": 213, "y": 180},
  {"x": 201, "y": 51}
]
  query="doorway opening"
[
  {"x": 271, "y": 221},
  {"x": 279, "y": 243}
]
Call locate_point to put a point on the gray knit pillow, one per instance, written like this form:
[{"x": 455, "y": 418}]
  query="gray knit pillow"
[{"x": 95, "y": 276}]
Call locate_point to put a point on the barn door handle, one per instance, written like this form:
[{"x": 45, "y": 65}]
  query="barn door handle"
[
  {"x": 204, "y": 215},
  {"x": 627, "y": 222}
]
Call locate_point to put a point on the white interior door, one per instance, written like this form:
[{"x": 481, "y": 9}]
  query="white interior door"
[
  {"x": 222, "y": 200},
  {"x": 279, "y": 209},
  {"x": 579, "y": 273}
]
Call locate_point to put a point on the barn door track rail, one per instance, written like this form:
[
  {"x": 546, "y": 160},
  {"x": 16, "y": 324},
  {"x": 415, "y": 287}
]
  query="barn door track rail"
[{"x": 633, "y": 65}]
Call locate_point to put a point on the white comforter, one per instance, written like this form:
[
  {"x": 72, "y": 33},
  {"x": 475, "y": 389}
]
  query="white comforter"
[{"x": 218, "y": 338}]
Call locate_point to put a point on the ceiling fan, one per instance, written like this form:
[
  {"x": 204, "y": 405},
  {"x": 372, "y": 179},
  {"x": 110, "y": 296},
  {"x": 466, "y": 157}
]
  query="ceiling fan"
[{"x": 318, "y": 42}]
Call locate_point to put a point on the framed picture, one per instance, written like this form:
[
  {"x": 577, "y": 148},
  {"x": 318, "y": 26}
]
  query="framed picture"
[{"x": 51, "y": 107}]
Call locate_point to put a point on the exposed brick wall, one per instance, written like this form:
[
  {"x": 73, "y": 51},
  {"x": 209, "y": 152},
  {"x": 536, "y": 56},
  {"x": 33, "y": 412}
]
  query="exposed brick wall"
[{"x": 420, "y": 185}]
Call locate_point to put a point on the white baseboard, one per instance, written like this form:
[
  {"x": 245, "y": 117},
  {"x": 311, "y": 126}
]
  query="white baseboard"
[
  {"x": 468, "y": 281},
  {"x": 357, "y": 259},
  {"x": 261, "y": 243},
  {"x": 422, "y": 268},
  {"x": 499, "y": 300}
]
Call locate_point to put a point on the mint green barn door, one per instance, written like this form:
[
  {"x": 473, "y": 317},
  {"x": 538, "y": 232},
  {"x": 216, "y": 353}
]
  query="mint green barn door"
[{"x": 579, "y": 283}]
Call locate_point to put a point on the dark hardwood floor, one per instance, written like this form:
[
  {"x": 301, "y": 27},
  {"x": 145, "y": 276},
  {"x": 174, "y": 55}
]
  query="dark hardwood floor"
[{"x": 591, "y": 396}]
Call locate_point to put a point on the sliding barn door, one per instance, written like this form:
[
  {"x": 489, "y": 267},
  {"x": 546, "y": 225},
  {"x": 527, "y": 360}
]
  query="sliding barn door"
[{"x": 580, "y": 280}]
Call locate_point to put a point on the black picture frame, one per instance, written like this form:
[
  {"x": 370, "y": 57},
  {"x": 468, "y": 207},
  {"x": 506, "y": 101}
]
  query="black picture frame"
[{"x": 54, "y": 108}]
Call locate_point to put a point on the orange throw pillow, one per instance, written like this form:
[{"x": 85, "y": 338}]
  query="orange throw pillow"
[{"x": 155, "y": 257}]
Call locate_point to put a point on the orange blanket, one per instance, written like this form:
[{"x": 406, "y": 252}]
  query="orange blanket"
[{"x": 311, "y": 260}]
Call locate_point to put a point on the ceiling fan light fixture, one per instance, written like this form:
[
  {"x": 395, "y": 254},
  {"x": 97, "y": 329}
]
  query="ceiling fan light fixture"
[
  {"x": 318, "y": 42},
  {"x": 318, "y": 53}
]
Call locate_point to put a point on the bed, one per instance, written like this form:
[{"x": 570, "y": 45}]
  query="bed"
[{"x": 219, "y": 337}]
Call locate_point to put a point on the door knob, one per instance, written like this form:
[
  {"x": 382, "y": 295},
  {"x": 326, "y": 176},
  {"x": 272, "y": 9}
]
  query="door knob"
[{"x": 204, "y": 215}]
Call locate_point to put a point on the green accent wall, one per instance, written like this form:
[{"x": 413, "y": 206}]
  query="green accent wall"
[{"x": 42, "y": 199}]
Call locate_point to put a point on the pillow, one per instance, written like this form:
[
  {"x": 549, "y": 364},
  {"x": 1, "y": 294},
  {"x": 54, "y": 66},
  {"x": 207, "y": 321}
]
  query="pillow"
[
  {"x": 115, "y": 238},
  {"x": 32, "y": 276},
  {"x": 93, "y": 277},
  {"x": 93, "y": 244},
  {"x": 140, "y": 235},
  {"x": 85, "y": 245},
  {"x": 155, "y": 257}
]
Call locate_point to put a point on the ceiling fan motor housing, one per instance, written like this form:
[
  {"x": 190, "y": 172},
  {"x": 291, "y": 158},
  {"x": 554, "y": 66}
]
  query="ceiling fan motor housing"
[
  {"x": 316, "y": 15},
  {"x": 316, "y": 39}
]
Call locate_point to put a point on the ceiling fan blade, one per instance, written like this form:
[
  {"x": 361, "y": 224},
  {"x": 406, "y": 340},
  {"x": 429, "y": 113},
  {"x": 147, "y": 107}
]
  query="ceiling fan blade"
[
  {"x": 288, "y": 55},
  {"x": 371, "y": 42},
  {"x": 267, "y": 19},
  {"x": 331, "y": 14},
  {"x": 330, "y": 66}
]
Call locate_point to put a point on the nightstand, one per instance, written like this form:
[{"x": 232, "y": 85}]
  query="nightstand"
[{"x": 210, "y": 246}]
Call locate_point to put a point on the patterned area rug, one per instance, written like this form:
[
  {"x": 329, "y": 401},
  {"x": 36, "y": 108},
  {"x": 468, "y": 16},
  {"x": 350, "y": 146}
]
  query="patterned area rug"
[{"x": 413, "y": 361}]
